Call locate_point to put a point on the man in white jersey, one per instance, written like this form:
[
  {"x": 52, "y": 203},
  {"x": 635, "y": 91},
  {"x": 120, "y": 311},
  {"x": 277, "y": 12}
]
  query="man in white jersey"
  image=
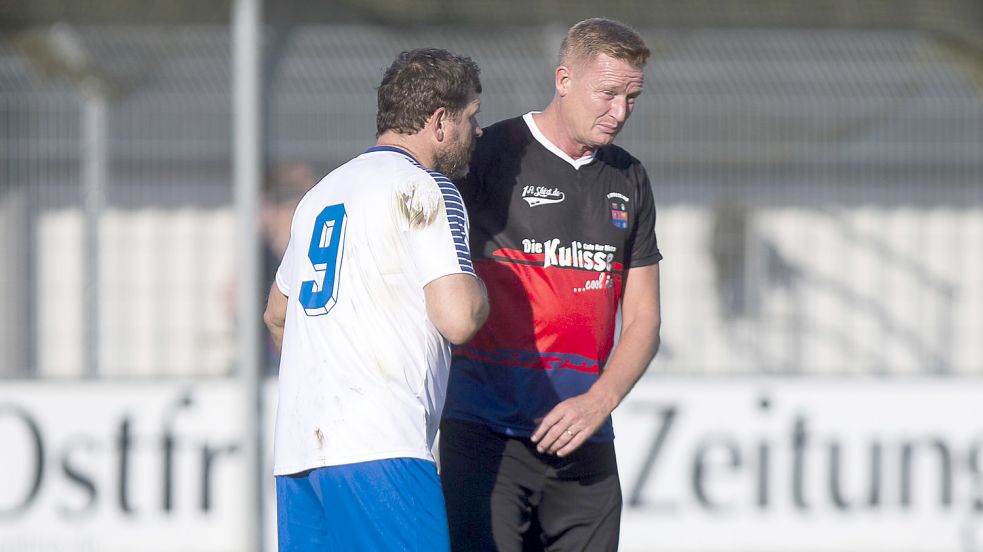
[{"x": 375, "y": 284}]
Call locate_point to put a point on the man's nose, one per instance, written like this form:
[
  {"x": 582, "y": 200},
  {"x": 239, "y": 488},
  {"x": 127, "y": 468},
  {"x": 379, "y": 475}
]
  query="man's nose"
[{"x": 619, "y": 108}]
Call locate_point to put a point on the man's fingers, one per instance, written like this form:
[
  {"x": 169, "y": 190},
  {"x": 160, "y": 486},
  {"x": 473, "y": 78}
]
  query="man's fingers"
[
  {"x": 573, "y": 445},
  {"x": 552, "y": 433},
  {"x": 568, "y": 436},
  {"x": 562, "y": 435},
  {"x": 549, "y": 422},
  {"x": 563, "y": 429},
  {"x": 549, "y": 441},
  {"x": 543, "y": 427}
]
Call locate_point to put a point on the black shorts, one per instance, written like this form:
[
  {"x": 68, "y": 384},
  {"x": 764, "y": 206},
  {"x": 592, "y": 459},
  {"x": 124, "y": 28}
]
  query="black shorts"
[{"x": 504, "y": 496}]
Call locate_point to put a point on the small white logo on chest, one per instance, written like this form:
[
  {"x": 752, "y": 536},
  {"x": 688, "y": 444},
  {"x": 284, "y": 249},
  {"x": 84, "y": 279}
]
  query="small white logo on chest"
[{"x": 541, "y": 195}]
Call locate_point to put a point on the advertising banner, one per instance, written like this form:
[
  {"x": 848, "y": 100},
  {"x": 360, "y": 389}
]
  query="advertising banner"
[
  {"x": 106, "y": 467},
  {"x": 804, "y": 464},
  {"x": 707, "y": 464}
]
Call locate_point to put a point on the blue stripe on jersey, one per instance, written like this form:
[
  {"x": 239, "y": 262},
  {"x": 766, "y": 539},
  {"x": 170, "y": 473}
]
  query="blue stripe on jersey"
[
  {"x": 510, "y": 412},
  {"x": 453, "y": 204},
  {"x": 455, "y": 218}
]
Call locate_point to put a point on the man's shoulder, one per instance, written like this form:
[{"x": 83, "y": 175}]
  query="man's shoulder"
[
  {"x": 511, "y": 123},
  {"x": 615, "y": 156},
  {"x": 505, "y": 133},
  {"x": 381, "y": 176},
  {"x": 386, "y": 168}
]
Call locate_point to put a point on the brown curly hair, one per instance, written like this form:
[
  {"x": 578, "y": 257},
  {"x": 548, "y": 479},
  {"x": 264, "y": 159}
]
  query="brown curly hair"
[{"x": 418, "y": 83}]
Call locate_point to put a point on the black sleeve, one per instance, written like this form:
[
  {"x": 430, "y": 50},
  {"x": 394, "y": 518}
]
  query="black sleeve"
[{"x": 644, "y": 244}]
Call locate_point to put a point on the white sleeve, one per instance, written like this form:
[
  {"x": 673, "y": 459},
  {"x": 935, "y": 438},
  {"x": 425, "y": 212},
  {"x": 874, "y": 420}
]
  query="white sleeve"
[
  {"x": 284, "y": 274},
  {"x": 441, "y": 247}
]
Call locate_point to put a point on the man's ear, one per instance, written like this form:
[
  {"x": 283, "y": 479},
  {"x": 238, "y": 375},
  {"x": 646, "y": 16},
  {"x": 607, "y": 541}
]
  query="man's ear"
[
  {"x": 562, "y": 77},
  {"x": 437, "y": 123}
]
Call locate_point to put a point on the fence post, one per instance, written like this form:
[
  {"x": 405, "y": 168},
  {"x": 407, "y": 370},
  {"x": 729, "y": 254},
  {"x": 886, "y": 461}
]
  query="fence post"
[{"x": 246, "y": 48}]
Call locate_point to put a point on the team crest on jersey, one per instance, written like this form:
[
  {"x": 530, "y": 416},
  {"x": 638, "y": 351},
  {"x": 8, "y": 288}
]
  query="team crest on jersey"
[
  {"x": 541, "y": 195},
  {"x": 619, "y": 210}
]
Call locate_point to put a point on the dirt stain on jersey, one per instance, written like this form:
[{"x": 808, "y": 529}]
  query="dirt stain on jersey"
[
  {"x": 319, "y": 436},
  {"x": 418, "y": 202}
]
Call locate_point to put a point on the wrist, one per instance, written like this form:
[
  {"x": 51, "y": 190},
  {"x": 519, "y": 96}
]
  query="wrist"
[{"x": 608, "y": 398}]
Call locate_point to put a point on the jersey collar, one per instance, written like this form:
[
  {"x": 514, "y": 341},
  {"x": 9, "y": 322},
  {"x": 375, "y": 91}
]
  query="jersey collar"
[{"x": 393, "y": 149}]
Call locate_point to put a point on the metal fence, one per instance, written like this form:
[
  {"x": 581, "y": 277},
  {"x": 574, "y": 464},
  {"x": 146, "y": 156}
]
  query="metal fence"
[{"x": 820, "y": 193}]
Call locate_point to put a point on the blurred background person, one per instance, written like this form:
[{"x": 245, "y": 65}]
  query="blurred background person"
[{"x": 283, "y": 188}]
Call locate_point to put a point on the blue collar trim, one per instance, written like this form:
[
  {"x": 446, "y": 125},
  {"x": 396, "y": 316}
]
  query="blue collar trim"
[{"x": 393, "y": 149}]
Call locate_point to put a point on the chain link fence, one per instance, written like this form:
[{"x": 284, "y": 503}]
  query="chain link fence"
[{"x": 820, "y": 192}]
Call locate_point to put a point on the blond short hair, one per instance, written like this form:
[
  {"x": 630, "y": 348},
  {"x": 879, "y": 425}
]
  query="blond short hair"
[{"x": 591, "y": 37}]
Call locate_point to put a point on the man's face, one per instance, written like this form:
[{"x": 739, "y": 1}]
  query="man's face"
[
  {"x": 460, "y": 134},
  {"x": 599, "y": 95}
]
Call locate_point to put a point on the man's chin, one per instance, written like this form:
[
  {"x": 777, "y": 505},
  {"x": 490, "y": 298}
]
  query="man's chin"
[
  {"x": 605, "y": 138},
  {"x": 600, "y": 139},
  {"x": 452, "y": 172}
]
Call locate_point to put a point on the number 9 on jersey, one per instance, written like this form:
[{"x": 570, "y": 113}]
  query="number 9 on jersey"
[{"x": 325, "y": 253}]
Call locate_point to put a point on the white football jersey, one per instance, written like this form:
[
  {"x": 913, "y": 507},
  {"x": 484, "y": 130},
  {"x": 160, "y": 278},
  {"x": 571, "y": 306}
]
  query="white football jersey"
[{"x": 363, "y": 371}]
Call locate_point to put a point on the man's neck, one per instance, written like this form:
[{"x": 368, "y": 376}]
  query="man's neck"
[
  {"x": 408, "y": 144},
  {"x": 551, "y": 125}
]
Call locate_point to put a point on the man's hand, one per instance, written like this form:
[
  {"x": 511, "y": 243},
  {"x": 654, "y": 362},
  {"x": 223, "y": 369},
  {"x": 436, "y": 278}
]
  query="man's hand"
[{"x": 571, "y": 423}]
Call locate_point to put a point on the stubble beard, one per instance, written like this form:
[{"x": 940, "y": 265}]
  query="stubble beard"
[{"x": 453, "y": 161}]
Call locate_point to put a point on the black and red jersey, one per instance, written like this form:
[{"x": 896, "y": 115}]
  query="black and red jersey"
[{"x": 552, "y": 238}]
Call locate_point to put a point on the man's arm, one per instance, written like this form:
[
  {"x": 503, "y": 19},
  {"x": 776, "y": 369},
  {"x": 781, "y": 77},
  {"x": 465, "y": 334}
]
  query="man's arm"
[
  {"x": 576, "y": 419},
  {"x": 276, "y": 314},
  {"x": 457, "y": 304}
]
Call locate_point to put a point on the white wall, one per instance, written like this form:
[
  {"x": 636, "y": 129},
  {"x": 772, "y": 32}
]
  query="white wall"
[
  {"x": 166, "y": 292},
  {"x": 861, "y": 290}
]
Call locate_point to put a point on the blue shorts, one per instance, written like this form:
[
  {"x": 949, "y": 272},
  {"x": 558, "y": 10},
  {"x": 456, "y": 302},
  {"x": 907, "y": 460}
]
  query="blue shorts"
[{"x": 393, "y": 504}]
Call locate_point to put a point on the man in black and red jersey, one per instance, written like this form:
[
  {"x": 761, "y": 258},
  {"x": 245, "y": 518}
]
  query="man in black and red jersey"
[{"x": 562, "y": 233}]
